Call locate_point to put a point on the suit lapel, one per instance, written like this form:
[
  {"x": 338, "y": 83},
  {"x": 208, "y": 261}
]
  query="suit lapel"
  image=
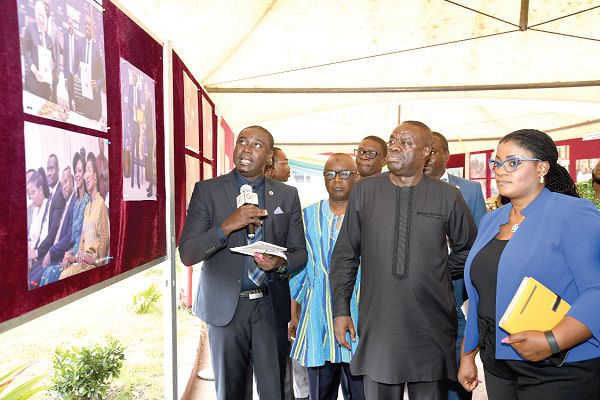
[
  {"x": 230, "y": 187},
  {"x": 270, "y": 204}
]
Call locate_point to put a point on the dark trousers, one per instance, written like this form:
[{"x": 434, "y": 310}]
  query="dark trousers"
[
  {"x": 436, "y": 390},
  {"x": 289, "y": 376},
  {"x": 456, "y": 390},
  {"x": 251, "y": 337},
  {"x": 324, "y": 382},
  {"x": 533, "y": 381}
]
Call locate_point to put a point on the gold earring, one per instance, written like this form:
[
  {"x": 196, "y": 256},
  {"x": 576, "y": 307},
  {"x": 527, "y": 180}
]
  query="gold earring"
[{"x": 542, "y": 179}]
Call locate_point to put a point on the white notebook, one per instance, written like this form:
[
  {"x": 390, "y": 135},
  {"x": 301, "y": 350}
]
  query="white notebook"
[{"x": 261, "y": 247}]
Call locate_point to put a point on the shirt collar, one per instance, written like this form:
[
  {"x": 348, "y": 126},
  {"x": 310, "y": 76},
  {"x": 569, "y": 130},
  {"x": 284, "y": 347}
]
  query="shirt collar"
[
  {"x": 445, "y": 177},
  {"x": 256, "y": 184}
]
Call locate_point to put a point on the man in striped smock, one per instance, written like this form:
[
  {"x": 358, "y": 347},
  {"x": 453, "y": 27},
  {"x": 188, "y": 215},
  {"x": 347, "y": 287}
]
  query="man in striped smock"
[{"x": 315, "y": 346}]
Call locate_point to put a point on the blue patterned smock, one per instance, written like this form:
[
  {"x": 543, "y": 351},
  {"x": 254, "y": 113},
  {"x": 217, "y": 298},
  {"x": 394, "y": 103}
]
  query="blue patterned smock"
[{"x": 315, "y": 339}]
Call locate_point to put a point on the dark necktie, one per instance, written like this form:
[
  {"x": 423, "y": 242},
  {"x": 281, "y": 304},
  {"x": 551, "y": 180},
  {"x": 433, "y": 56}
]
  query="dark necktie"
[{"x": 256, "y": 274}]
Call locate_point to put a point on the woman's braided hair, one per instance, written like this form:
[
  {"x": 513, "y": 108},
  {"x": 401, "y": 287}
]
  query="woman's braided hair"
[{"x": 542, "y": 146}]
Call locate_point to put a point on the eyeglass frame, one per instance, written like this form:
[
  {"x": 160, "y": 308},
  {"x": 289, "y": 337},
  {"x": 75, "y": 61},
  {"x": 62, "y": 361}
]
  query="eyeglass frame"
[
  {"x": 371, "y": 154},
  {"x": 494, "y": 164},
  {"x": 338, "y": 173}
]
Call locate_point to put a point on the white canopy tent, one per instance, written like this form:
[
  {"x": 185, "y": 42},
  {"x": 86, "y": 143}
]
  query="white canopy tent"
[{"x": 333, "y": 71}]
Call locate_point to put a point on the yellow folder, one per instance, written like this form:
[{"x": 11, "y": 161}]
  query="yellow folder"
[{"x": 533, "y": 307}]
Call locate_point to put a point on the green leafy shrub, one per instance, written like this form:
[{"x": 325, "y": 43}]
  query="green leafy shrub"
[
  {"x": 85, "y": 373},
  {"x": 25, "y": 390},
  {"x": 146, "y": 300}
]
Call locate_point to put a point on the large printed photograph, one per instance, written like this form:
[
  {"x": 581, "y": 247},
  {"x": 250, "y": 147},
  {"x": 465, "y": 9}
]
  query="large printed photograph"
[
  {"x": 67, "y": 203},
  {"x": 62, "y": 60},
  {"x": 138, "y": 109}
]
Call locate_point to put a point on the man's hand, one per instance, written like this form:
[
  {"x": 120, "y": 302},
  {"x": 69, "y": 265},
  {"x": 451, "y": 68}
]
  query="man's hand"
[
  {"x": 531, "y": 345},
  {"x": 268, "y": 262},
  {"x": 341, "y": 325},
  {"x": 295, "y": 318},
  {"x": 242, "y": 217}
]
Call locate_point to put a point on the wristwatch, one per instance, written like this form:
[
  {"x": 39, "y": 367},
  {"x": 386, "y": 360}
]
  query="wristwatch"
[{"x": 282, "y": 269}]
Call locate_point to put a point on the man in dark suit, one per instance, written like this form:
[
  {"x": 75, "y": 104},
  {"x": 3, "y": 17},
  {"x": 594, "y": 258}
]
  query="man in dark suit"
[
  {"x": 471, "y": 192},
  {"x": 63, "y": 241},
  {"x": 71, "y": 52},
  {"x": 90, "y": 54},
  {"x": 245, "y": 300},
  {"x": 35, "y": 42}
]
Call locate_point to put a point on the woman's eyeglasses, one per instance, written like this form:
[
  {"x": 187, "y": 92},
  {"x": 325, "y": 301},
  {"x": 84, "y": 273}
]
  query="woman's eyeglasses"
[
  {"x": 510, "y": 164},
  {"x": 371, "y": 154},
  {"x": 344, "y": 174}
]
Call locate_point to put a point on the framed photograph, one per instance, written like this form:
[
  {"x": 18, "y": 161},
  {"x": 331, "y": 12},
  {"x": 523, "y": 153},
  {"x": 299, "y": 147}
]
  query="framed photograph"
[
  {"x": 62, "y": 56},
  {"x": 138, "y": 108},
  {"x": 564, "y": 155},
  {"x": 483, "y": 183},
  {"x": 493, "y": 187},
  {"x": 192, "y": 175},
  {"x": 190, "y": 108},
  {"x": 584, "y": 169},
  {"x": 207, "y": 128},
  {"x": 67, "y": 204},
  {"x": 477, "y": 166}
]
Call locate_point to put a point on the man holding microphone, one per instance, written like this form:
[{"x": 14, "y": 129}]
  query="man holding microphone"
[{"x": 245, "y": 300}]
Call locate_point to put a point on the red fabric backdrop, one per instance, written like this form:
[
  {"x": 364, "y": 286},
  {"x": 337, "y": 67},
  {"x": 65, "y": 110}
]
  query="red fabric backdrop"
[
  {"x": 137, "y": 228},
  {"x": 179, "y": 140}
]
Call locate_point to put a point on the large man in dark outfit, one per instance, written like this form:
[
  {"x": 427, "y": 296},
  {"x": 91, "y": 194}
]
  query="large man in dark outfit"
[
  {"x": 397, "y": 225},
  {"x": 247, "y": 317}
]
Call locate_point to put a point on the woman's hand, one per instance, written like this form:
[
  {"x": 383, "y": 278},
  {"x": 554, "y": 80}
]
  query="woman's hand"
[{"x": 531, "y": 345}]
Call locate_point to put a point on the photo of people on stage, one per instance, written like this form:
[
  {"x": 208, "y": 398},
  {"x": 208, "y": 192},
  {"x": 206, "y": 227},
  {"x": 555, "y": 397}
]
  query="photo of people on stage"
[
  {"x": 139, "y": 133},
  {"x": 68, "y": 229},
  {"x": 62, "y": 60}
]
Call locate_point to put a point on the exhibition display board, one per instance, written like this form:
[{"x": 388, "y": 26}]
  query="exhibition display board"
[{"x": 76, "y": 141}]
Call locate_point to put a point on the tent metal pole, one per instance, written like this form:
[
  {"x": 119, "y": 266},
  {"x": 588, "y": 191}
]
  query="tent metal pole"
[
  {"x": 524, "y": 19},
  {"x": 169, "y": 267},
  {"x": 403, "y": 89}
]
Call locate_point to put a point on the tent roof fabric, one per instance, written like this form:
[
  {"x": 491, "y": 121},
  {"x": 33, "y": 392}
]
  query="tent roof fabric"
[{"x": 334, "y": 71}]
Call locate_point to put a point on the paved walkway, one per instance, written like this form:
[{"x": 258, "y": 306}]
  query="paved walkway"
[{"x": 198, "y": 389}]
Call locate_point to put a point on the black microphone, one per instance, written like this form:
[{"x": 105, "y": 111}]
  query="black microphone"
[{"x": 247, "y": 196}]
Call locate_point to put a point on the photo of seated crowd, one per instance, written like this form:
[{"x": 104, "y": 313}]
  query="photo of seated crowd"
[
  {"x": 67, "y": 204},
  {"x": 62, "y": 57}
]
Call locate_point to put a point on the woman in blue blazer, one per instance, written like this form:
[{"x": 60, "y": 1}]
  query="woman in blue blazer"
[{"x": 547, "y": 233}]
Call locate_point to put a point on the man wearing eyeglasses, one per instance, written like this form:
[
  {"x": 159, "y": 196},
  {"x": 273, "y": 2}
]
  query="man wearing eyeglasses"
[
  {"x": 397, "y": 227},
  {"x": 370, "y": 156},
  {"x": 471, "y": 192},
  {"x": 315, "y": 346},
  {"x": 280, "y": 169}
]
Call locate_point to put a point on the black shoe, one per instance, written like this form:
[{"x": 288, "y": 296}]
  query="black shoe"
[{"x": 149, "y": 194}]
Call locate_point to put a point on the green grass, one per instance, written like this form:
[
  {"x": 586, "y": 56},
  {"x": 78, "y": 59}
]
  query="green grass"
[{"x": 89, "y": 320}]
